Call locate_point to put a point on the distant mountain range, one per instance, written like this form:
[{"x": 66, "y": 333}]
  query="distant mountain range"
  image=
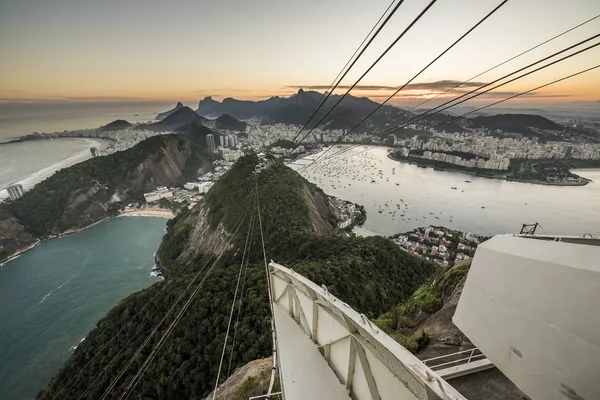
[{"x": 296, "y": 109}]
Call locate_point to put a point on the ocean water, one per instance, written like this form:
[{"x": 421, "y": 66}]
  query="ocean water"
[
  {"x": 53, "y": 295},
  {"x": 28, "y": 162},
  {"x": 425, "y": 197},
  {"x": 21, "y": 119}
]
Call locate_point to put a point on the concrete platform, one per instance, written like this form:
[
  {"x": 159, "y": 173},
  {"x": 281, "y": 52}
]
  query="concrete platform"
[{"x": 296, "y": 353}]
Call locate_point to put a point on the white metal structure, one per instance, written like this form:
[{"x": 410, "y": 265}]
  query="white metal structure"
[
  {"x": 460, "y": 363},
  {"x": 329, "y": 351},
  {"x": 530, "y": 304}
]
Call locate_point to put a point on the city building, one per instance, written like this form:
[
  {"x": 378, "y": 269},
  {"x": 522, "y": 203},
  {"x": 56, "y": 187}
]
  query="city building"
[
  {"x": 94, "y": 151},
  {"x": 161, "y": 192},
  {"x": 231, "y": 140},
  {"x": 204, "y": 187},
  {"x": 15, "y": 191},
  {"x": 568, "y": 151},
  {"x": 210, "y": 142}
]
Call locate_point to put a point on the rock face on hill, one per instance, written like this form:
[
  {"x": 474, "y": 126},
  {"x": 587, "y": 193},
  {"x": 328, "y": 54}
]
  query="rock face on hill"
[
  {"x": 13, "y": 238},
  {"x": 247, "y": 381},
  {"x": 95, "y": 189},
  {"x": 424, "y": 324}
]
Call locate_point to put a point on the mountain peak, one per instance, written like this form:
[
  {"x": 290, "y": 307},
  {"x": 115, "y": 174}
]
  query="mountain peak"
[
  {"x": 165, "y": 114},
  {"x": 208, "y": 99}
]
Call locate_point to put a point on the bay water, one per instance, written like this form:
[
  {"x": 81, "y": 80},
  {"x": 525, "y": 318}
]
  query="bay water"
[
  {"x": 399, "y": 197},
  {"x": 53, "y": 295}
]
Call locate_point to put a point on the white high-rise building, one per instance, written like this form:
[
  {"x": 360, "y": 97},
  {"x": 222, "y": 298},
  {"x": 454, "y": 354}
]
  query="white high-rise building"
[
  {"x": 231, "y": 140},
  {"x": 15, "y": 191},
  {"x": 210, "y": 142}
]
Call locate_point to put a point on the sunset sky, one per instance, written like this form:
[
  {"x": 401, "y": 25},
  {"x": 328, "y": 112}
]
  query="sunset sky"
[{"x": 155, "y": 50}]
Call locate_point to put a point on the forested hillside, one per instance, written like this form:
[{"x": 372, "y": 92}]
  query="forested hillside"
[{"x": 371, "y": 274}]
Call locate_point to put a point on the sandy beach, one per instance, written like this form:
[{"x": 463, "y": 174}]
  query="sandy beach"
[
  {"x": 38, "y": 176},
  {"x": 148, "y": 212},
  {"x": 44, "y": 173}
]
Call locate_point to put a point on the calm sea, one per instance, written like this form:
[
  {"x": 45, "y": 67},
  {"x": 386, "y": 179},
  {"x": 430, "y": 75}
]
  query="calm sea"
[
  {"x": 399, "y": 197},
  {"x": 53, "y": 295},
  {"x": 21, "y": 119}
]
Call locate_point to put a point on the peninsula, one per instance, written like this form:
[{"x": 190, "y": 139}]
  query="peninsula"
[{"x": 540, "y": 172}]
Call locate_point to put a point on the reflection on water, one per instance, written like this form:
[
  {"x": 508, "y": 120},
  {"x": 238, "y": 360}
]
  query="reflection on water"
[{"x": 399, "y": 197}]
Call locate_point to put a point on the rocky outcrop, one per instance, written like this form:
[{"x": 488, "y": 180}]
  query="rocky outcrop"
[
  {"x": 14, "y": 239},
  {"x": 445, "y": 337},
  {"x": 164, "y": 169},
  {"x": 203, "y": 239},
  {"x": 319, "y": 208},
  {"x": 249, "y": 380}
]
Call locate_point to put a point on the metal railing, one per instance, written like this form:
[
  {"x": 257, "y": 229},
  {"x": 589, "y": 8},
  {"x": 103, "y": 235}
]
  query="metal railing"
[
  {"x": 438, "y": 363},
  {"x": 266, "y": 396}
]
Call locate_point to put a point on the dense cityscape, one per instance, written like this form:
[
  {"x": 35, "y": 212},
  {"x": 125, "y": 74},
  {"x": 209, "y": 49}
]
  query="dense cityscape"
[{"x": 480, "y": 147}]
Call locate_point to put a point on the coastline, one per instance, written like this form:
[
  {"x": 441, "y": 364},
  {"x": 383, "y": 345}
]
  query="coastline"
[
  {"x": 471, "y": 173},
  {"x": 58, "y": 236},
  {"x": 160, "y": 213},
  {"x": 19, "y": 252},
  {"x": 33, "y": 179}
]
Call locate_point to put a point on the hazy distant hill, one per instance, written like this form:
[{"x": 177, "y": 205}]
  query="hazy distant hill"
[
  {"x": 227, "y": 122},
  {"x": 292, "y": 114},
  {"x": 518, "y": 123},
  {"x": 179, "y": 118},
  {"x": 165, "y": 114},
  {"x": 342, "y": 117},
  {"x": 297, "y": 108},
  {"x": 117, "y": 125}
]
